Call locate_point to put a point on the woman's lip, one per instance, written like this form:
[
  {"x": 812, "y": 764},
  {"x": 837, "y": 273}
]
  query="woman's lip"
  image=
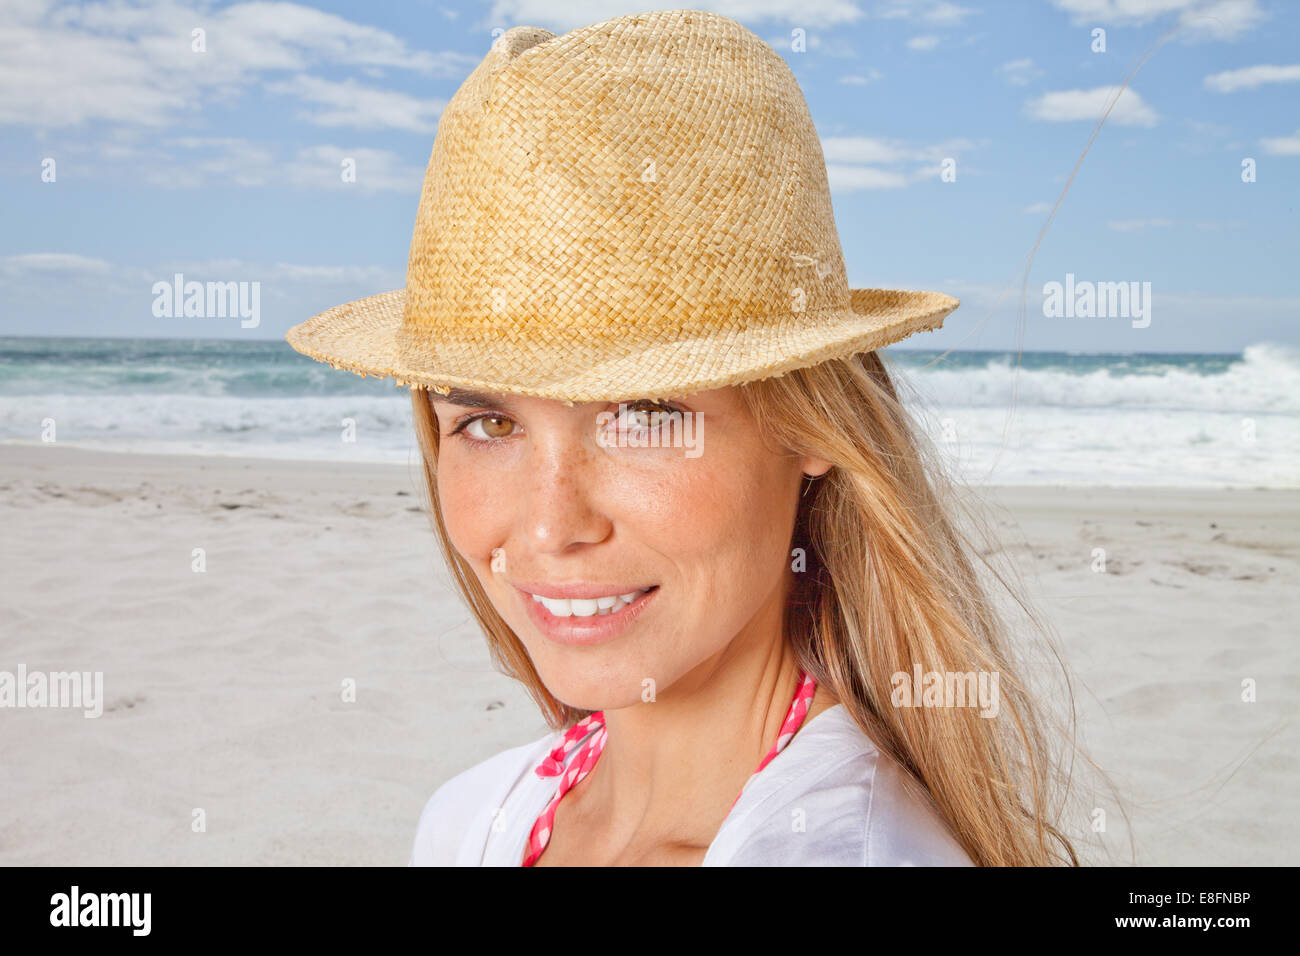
[
  {"x": 581, "y": 592},
  {"x": 595, "y": 629}
]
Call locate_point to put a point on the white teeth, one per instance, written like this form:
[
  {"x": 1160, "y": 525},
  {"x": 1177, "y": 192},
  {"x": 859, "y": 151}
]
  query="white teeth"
[
  {"x": 559, "y": 607},
  {"x": 588, "y": 607}
]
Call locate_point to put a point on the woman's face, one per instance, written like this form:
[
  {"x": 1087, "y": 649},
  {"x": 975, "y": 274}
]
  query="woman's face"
[{"x": 679, "y": 506}]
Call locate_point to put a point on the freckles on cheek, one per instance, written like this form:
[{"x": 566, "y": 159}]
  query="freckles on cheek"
[
  {"x": 724, "y": 509},
  {"x": 472, "y": 510}
]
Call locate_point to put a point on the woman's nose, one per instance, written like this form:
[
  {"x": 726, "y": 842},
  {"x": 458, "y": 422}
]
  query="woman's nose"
[{"x": 561, "y": 503}]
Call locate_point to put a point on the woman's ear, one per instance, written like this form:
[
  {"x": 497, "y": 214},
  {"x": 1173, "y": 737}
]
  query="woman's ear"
[{"x": 814, "y": 467}]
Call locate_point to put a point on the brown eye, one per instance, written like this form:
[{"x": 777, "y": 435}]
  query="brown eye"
[
  {"x": 491, "y": 426},
  {"x": 647, "y": 415}
]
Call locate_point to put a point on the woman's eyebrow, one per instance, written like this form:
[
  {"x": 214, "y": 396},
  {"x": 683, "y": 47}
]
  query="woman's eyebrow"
[{"x": 467, "y": 399}]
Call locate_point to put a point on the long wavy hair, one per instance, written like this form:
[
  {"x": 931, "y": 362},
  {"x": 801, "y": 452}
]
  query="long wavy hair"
[{"x": 898, "y": 578}]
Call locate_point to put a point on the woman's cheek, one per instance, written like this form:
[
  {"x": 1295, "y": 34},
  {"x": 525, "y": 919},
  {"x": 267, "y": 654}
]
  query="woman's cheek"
[
  {"x": 472, "y": 509},
  {"x": 727, "y": 502}
]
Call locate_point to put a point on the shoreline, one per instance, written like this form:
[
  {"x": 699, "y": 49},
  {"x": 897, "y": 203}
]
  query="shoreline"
[{"x": 27, "y": 454}]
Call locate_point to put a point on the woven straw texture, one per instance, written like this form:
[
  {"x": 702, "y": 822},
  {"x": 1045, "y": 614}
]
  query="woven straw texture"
[{"x": 635, "y": 209}]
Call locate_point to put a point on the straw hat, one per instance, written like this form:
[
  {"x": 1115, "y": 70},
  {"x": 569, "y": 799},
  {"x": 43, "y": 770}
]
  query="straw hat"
[{"x": 635, "y": 209}]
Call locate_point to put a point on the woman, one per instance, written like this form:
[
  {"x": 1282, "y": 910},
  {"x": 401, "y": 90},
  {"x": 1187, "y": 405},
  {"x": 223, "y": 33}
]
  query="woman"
[{"x": 676, "y": 486}]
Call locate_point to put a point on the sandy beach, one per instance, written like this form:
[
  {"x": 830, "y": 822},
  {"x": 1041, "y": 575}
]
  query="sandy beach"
[{"x": 224, "y": 690}]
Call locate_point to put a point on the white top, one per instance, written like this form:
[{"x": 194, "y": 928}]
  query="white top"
[{"x": 830, "y": 798}]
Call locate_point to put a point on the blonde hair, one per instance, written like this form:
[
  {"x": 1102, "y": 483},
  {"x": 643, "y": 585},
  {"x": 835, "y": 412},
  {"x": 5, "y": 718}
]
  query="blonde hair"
[{"x": 889, "y": 588}]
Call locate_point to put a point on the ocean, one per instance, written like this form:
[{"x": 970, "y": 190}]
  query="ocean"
[{"x": 1229, "y": 420}]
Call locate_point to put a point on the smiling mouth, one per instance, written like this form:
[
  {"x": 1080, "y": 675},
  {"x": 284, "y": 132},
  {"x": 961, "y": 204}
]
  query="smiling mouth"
[{"x": 589, "y": 607}]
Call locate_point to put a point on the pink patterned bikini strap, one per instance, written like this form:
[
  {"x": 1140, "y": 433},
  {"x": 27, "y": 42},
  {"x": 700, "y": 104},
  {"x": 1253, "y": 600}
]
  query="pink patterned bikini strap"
[
  {"x": 794, "y": 718},
  {"x": 578, "y": 768},
  {"x": 591, "y": 729},
  {"x": 553, "y": 765}
]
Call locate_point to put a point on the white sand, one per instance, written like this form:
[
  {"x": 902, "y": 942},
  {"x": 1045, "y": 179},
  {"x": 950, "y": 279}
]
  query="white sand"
[{"x": 223, "y": 689}]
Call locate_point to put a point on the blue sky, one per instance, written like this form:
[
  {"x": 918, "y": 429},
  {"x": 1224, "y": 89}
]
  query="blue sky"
[{"x": 224, "y": 165}]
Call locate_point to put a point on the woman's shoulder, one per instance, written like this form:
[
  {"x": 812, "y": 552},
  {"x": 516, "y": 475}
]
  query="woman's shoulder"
[
  {"x": 831, "y": 798},
  {"x": 467, "y": 808}
]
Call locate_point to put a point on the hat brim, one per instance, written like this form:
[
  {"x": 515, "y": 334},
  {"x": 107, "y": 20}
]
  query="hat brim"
[{"x": 364, "y": 336}]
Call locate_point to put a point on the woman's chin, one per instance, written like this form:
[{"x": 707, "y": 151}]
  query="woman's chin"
[{"x": 594, "y": 695}]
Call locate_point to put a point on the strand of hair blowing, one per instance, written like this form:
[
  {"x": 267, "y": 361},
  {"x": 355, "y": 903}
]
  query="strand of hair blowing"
[{"x": 890, "y": 586}]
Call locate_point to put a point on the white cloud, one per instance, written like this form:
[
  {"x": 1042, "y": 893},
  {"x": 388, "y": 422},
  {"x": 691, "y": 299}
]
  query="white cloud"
[
  {"x": 129, "y": 65},
  {"x": 861, "y": 79},
  {"x": 52, "y": 264},
  {"x": 1203, "y": 128},
  {"x": 59, "y": 293},
  {"x": 852, "y": 178},
  {"x": 561, "y": 16},
  {"x": 1252, "y": 77},
  {"x": 949, "y": 148},
  {"x": 1019, "y": 72},
  {"x": 195, "y": 162},
  {"x": 865, "y": 162},
  {"x": 1067, "y": 106},
  {"x": 282, "y": 271},
  {"x": 863, "y": 149},
  {"x": 868, "y": 149},
  {"x": 1282, "y": 145},
  {"x": 210, "y": 160},
  {"x": 928, "y": 11},
  {"x": 269, "y": 32},
  {"x": 923, "y": 43},
  {"x": 332, "y": 274},
  {"x": 350, "y": 104},
  {"x": 133, "y": 63},
  {"x": 1197, "y": 19},
  {"x": 1128, "y": 12},
  {"x": 1038, "y": 207},
  {"x": 182, "y": 162},
  {"x": 377, "y": 170},
  {"x": 946, "y": 13},
  {"x": 1137, "y": 225},
  {"x": 1222, "y": 19}
]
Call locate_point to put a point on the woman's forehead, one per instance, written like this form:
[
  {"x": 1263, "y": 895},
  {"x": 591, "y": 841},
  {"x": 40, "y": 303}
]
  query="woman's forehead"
[{"x": 469, "y": 398}]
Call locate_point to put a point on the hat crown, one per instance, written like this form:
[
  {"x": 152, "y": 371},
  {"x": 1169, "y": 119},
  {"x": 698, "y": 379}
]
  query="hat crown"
[{"x": 658, "y": 173}]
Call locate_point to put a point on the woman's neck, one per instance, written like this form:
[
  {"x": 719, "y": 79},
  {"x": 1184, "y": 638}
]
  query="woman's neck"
[{"x": 672, "y": 768}]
